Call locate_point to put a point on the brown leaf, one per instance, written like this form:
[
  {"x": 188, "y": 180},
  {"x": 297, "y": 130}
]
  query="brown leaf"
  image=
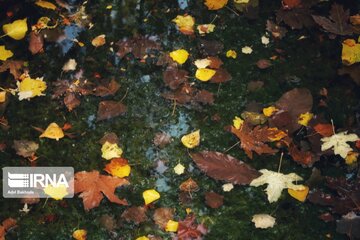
[
  {"x": 276, "y": 31},
  {"x": 215, "y": 62},
  {"x": 324, "y": 129},
  {"x": 304, "y": 158},
  {"x": 162, "y": 216},
  {"x": 210, "y": 47},
  {"x": 263, "y": 64},
  {"x": 110, "y": 109},
  {"x": 25, "y": 148},
  {"x": 221, "y": 75},
  {"x": 105, "y": 90},
  {"x": 71, "y": 101},
  {"x": 338, "y": 21},
  {"x": 289, "y": 4},
  {"x": 109, "y": 137},
  {"x": 5, "y": 226},
  {"x": 296, "y": 18},
  {"x": 204, "y": 97},
  {"x": 255, "y": 85},
  {"x": 255, "y": 139},
  {"x": 135, "y": 214},
  {"x": 214, "y": 200},
  {"x": 224, "y": 167},
  {"x": 174, "y": 77},
  {"x": 138, "y": 46},
  {"x": 36, "y": 43},
  {"x": 353, "y": 71},
  {"x": 92, "y": 186},
  {"x": 161, "y": 139},
  {"x": 14, "y": 66},
  {"x": 108, "y": 222},
  {"x": 189, "y": 186},
  {"x": 296, "y": 101}
]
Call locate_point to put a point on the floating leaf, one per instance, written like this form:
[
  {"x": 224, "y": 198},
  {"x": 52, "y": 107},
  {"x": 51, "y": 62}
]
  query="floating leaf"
[
  {"x": 29, "y": 88},
  {"x": 185, "y": 24},
  {"x": 14, "y": 67},
  {"x": 162, "y": 216},
  {"x": 25, "y": 148},
  {"x": 191, "y": 140},
  {"x": 224, "y": 167},
  {"x": 246, "y": 50},
  {"x": 237, "y": 123},
  {"x": 57, "y": 193},
  {"x": 70, "y": 65},
  {"x": 269, "y": 111},
  {"x": 214, "y": 200},
  {"x": 299, "y": 194},
  {"x": 45, "y": 4},
  {"x": 111, "y": 150},
  {"x": 135, "y": 214},
  {"x": 118, "y": 167},
  {"x": 92, "y": 186},
  {"x": 150, "y": 196},
  {"x": 337, "y": 142},
  {"x": 205, "y": 28},
  {"x": 215, "y": 4},
  {"x": 204, "y": 74},
  {"x": 189, "y": 186},
  {"x": 179, "y": 169},
  {"x": 5, "y": 54},
  {"x": 350, "y": 52},
  {"x": 263, "y": 221},
  {"x": 53, "y": 131},
  {"x": 180, "y": 56},
  {"x": 110, "y": 109},
  {"x": 36, "y": 43},
  {"x": 305, "y": 118},
  {"x": 17, "y": 29},
  {"x": 324, "y": 129},
  {"x": 227, "y": 187},
  {"x": 351, "y": 158}
]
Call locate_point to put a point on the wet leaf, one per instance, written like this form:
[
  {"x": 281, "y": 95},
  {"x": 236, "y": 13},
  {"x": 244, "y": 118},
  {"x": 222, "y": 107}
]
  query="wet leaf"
[
  {"x": 246, "y": 50},
  {"x": 71, "y": 101},
  {"x": 221, "y": 75},
  {"x": 276, "y": 183},
  {"x": 70, "y": 65},
  {"x": 324, "y": 129},
  {"x": 98, "y": 41},
  {"x": 263, "y": 221},
  {"x": 214, "y": 200},
  {"x": 338, "y": 21},
  {"x": 162, "y": 139},
  {"x": 150, "y": 196},
  {"x": 231, "y": 54},
  {"x": 205, "y": 28},
  {"x": 109, "y": 137},
  {"x": 5, "y": 54},
  {"x": 191, "y": 140},
  {"x": 296, "y": 17},
  {"x": 138, "y": 46},
  {"x": 224, "y": 167},
  {"x": 276, "y": 30},
  {"x": 350, "y": 52},
  {"x": 174, "y": 77},
  {"x": 305, "y": 118},
  {"x": 338, "y": 143},
  {"x": 180, "y": 56},
  {"x": 110, "y": 109},
  {"x": 185, "y": 24},
  {"x": 45, "y": 4},
  {"x": 107, "y": 89},
  {"x": 204, "y": 97},
  {"x": 171, "y": 226},
  {"x": 36, "y": 43},
  {"x": 53, "y": 131},
  {"x": 29, "y": 87},
  {"x": 353, "y": 71},
  {"x": 57, "y": 193},
  {"x": 179, "y": 169},
  {"x": 80, "y": 234},
  {"x": 215, "y": 4},
  {"x": 189, "y": 229},
  {"x": 296, "y": 102},
  {"x": 162, "y": 216},
  {"x": 263, "y": 64},
  {"x": 110, "y": 151},
  {"x": 17, "y": 29},
  {"x": 349, "y": 224},
  {"x": 135, "y": 214},
  {"x": 189, "y": 186},
  {"x": 92, "y": 186},
  {"x": 25, "y": 148},
  {"x": 299, "y": 194},
  {"x": 304, "y": 158},
  {"x": 5, "y": 226},
  {"x": 118, "y": 167},
  {"x": 14, "y": 66}
]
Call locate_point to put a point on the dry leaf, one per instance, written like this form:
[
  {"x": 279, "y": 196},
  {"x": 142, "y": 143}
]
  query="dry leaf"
[{"x": 25, "y": 148}]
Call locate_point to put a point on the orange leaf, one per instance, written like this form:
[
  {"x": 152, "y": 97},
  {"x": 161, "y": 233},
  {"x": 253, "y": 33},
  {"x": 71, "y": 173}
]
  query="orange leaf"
[
  {"x": 92, "y": 186},
  {"x": 215, "y": 4},
  {"x": 118, "y": 167},
  {"x": 299, "y": 194},
  {"x": 324, "y": 129}
]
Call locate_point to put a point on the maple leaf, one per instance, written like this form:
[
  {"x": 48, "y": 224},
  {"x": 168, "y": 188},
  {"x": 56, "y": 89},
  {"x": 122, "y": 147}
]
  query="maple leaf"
[
  {"x": 255, "y": 139},
  {"x": 337, "y": 142},
  {"x": 92, "y": 186},
  {"x": 276, "y": 183},
  {"x": 338, "y": 21},
  {"x": 5, "y": 226},
  {"x": 224, "y": 167},
  {"x": 189, "y": 229},
  {"x": 14, "y": 66}
]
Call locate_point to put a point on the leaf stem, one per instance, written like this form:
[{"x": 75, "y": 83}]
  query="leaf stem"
[{"x": 280, "y": 162}]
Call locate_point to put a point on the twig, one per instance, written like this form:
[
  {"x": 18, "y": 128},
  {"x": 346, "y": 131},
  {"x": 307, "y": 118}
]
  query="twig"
[
  {"x": 232, "y": 11},
  {"x": 174, "y": 108},
  {"x": 280, "y": 162},
  {"x": 124, "y": 95},
  {"x": 232, "y": 146}
]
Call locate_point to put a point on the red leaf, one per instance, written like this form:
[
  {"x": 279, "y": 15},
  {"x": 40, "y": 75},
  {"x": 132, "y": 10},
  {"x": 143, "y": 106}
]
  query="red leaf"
[
  {"x": 224, "y": 167},
  {"x": 325, "y": 130}
]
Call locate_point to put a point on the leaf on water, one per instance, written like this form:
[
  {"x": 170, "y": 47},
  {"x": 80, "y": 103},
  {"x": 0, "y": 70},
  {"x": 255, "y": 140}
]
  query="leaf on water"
[
  {"x": 276, "y": 30},
  {"x": 338, "y": 21},
  {"x": 5, "y": 54},
  {"x": 36, "y": 43},
  {"x": 57, "y": 193},
  {"x": 70, "y": 65},
  {"x": 92, "y": 185},
  {"x": 25, "y": 148},
  {"x": 221, "y": 75},
  {"x": 135, "y": 214},
  {"x": 204, "y": 74},
  {"x": 185, "y": 24},
  {"x": 53, "y": 131},
  {"x": 71, "y": 101},
  {"x": 191, "y": 140},
  {"x": 224, "y": 167},
  {"x": 110, "y": 109},
  {"x": 107, "y": 89},
  {"x": 162, "y": 139},
  {"x": 263, "y": 64},
  {"x": 17, "y": 29},
  {"x": 174, "y": 77},
  {"x": 118, "y": 167},
  {"x": 15, "y": 67},
  {"x": 138, "y": 46},
  {"x": 350, "y": 52},
  {"x": 45, "y": 4},
  {"x": 215, "y": 4},
  {"x": 189, "y": 229},
  {"x": 338, "y": 143},
  {"x": 110, "y": 151},
  {"x": 180, "y": 56},
  {"x": 29, "y": 87},
  {"x": 324, "y": 129}
]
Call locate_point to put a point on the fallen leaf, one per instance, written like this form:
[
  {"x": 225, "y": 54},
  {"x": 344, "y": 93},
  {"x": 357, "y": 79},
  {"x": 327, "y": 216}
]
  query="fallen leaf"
[
  {"x": 276, "y": 183},
  {"x": 305, "y": 118},
  {"x": 80, "y": 234},
  {"x": 3, "y": 96},
  {"x": 185, "y": 24},
  {"x": 162, "y": 216},
  {"x": 214, "y": 200},
  {"x": 110, "y": 151},
  {"x": 5, "y": 54},
  {"x": 351, "y": 158},
  {"x": 92, "y": 186},
  {"x": 45, "y": 4},
  {"x": 231, "y": 54},
  {"x": 179, "y": 169},
  {"x": 189, "y": 186},
  {"x": 350, "y": 52},
  {"x": 204, "y": 74},
  {"x": 296, "y": 16},
  {"x": 29, "y": 88},
  {"x": 171, "y": 226},
  {"x": 36, "y": 43},
  {"x": 205, "y": 28},
  {"x": 337, "y": 142},
  {"x": 191, "y": 140},
  {"x": 353, "y": 71},
  {"x": 53, "y": 131},
  {"x": 276, "y": 30},
  {"x": 338, "y": 21},
  {"x": 108, "y": 89},
  {"x": 70, "y": 65},
  {"x": 299, "y": 194},
  {"x": 135, "y": 214},
  {"x": 162, "y": 139},
  {"x": 5, "y": 226},
  {"x": 349, "y": 224},
  {"x": 324, "y": 129},
  {"x": 118, "y": 167},
  {"x": 189, "y": 229},
  {"x": 263, "y": 221},
  {"x": 71, "y": 101},
  {"x": 221, "y": 75},
  {"x": 227, "y": 187},
  {"x": 14, "y": 66},
  {"x": 57, "y": 193},
  {"x": 246, "y": 50},
  {"x": 174, "y": 77},
  {"x": 150, "y": 196},
  {"x": 110, "y": 109},
  {"x": 17, "y": 29},
  {"x": 224, "y": 167},
  {"x": 25, "y": 148},
  {"x": 138, "y": 46},
  {"x": 269, "y": 111},
  {"x": 263, "y": 64},
  {"x": 215, "y": 4},
  {"x": 180, "y": 56},
  {"x": 99, "y": 40},
  {"x": 237, "y": 122}
]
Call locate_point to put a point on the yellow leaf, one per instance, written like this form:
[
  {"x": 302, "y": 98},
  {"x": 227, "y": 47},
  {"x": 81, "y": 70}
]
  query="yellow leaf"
[
  {"x": 304, "y": 118},
  {"x": 269, "y": 111},
  {"x": 16, "y": 29},
  {"x": 110, "y": 151},
  {"x": 109, "y": 7},
  {"x": 79, "y": 234},
  {"x": 99, "y": 40},
  {"x": 278, "y": 136},
  {"x": 150, "y": 196},
  {"x": 350, "y": 52},
  {"x": 118, "y": 167},
  {"x": 45, "y": 4},
  {"x": 351, "y": 157},
  {"x": 215, "y": 4},
  {"x": 204, "y": 74},
  {"x": 241, "y": 1},
  {"x": 205, "y": 28},
  {"x": 53, "y": 131},
  {"x": 191, "y": 140},
  {"x": 5, "y": 54},
  {"x": 29, "y": 88},
  {"x": 142, "y": 238},
  {"x": 2, "y": 96},
  {"x": 185, "y": 24},
  {"x": 231, "y": 54},
  {"x": 237, "y": 122},
  {"x": 56, "y": 193},
  {"x": 179, "y": 169},
  {"x": 299, "y": 194},
  {"x": 172, "y": 226},
  {"x": 180, "y": 56}
]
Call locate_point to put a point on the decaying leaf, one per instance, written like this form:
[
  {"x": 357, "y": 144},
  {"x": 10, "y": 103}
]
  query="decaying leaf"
[
  {"x": 214, "y": 200},
  {"x": 25, "y": 148},
  {"x": 36, "y": 43},
  {"x": 110, "y": 109},
  {"x": 205, "y": 28},
  {"x": 162, "y": 139},
  {"x": 135, "y": 214},
  {"x": 107, "y": 89},
  {"x": 276, "y": 30},
  {"x": 111, "y": 150},
  {"x": 14, "y": 66},
  {"x": 92, "y": 186},
  {"x": 162, "y": 216},
  {"x": 118, "y": 167},
  {"x": 224, "y": 167},
  {"x": 138, "y": 46},
  {"x": 189, "y": 229},
  {"x": 263, "y": 221},
  {"x": 276, "y": 183},
  {"x": 189, "y": 186},
  {"x": 338, "y": 143},
  {"x": 324, "y": 129}
]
